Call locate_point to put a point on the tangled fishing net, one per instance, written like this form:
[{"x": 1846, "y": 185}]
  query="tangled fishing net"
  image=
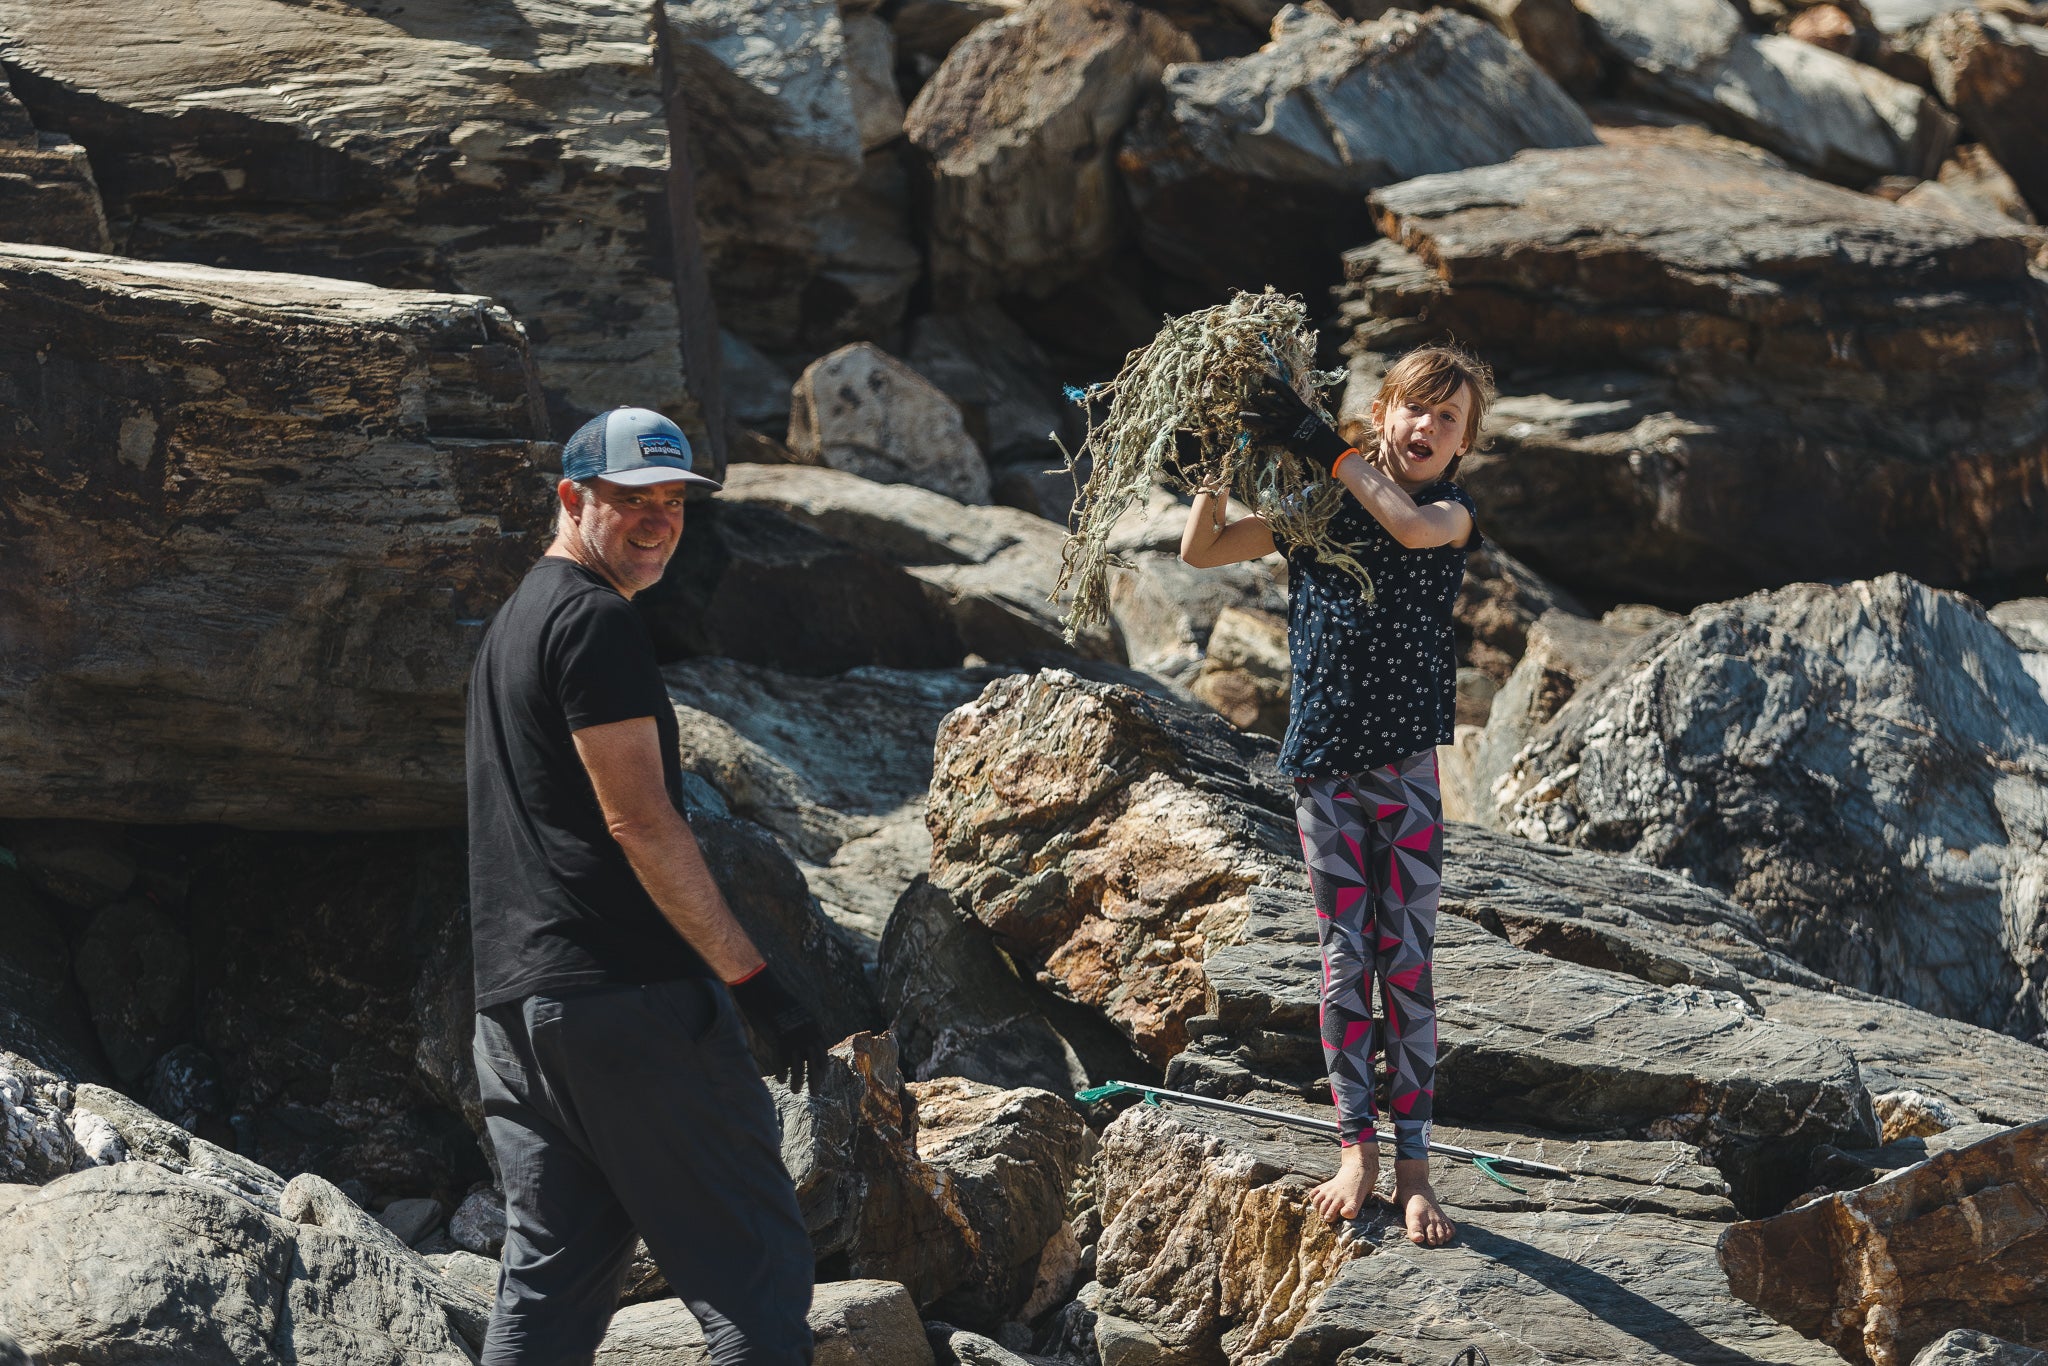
[{"x": 1171, "y": 417}]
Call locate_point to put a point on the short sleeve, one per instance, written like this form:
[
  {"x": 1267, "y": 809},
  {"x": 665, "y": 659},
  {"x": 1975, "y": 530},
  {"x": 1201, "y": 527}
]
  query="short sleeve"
[
  {"x": 1452, "y": 493},
  {"x": 603, "y": 663}
]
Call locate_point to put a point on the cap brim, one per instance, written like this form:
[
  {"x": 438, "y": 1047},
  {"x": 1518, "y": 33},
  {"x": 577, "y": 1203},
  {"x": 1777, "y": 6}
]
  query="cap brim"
[{"x": 657, "y": 474}]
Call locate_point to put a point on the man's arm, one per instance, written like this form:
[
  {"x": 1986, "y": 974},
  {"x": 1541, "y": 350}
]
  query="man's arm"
[
  {"x": 1440, "y": 523},
  {"x": 623, "y": 759}
]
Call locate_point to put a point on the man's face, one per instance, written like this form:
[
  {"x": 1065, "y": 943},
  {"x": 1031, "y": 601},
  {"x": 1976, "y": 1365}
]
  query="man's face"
[{"x": 627, "y": 533}]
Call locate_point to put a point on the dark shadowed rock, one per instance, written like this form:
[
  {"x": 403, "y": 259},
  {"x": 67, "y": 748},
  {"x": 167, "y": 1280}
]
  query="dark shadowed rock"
[
  {"x": 1108, "y": 839},
  {"x": 1007, "y": 390},
  {"x": 1786, "y": 748},
  {"x": 1833, "y": 116},
  {"x": 42, "y": 1016},
  {"x": 135, "y": 967},
  {"x": 1020, "y": 123},
  {"x": 1499, "y": 600},
  {"x": 1551, "y": 32},
  {"x": 268, "y": 631},
  {"x": 1879, "y": 1273},
  {"x": 1994, "y": 73},
  {"x": 47, "y": 194},
  {"x": 1253, "y": 171},
  {"x": 485, "y": 148},
  {"x": 1679, "y": 418}
]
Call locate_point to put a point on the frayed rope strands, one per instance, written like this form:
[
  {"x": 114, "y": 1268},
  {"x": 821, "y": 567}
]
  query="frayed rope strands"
[{"x": 1171, "y": 417}]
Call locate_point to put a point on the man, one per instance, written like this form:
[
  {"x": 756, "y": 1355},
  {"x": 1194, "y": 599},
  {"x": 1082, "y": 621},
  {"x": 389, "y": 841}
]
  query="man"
[{"x": 618, "y": 1087}]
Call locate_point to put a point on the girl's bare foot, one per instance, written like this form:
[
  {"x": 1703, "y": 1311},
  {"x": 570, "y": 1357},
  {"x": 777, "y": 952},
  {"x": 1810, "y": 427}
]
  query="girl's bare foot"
[
  {"x": 1345, "y": 1194},
  {"x": 1415, "y": 1198}
]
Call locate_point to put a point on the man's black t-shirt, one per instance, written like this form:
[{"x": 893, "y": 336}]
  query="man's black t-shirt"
[{"x": 552, "y": 901}]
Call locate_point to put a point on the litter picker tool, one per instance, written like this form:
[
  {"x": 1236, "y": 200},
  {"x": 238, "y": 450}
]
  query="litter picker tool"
[{"x": 1489, "y": 1164}]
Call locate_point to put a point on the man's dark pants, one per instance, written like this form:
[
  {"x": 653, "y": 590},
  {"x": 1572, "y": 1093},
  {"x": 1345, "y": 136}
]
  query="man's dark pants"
[{"x": 627, "y": 1108}]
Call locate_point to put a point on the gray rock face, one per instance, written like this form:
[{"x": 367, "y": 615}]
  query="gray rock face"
[
  {"x": 861, "y": 410},
  {"x": 1784, "y": 748},
  {"x": 47, "y": 193},
  {"x": 1966, "y": 1347},
  {"x": 1020, "y": 123},
  {"x": 1651, "y": 399},
  {"x": 1007, "y": 391},
  {"x": 853, "y": 1323},
  {"x": 142, "y": 1136},
  {"x": 1990, "y": 70},
  {"x": 1829, "y": 114},
  {"x": 305, "y": 628},
  {"x": 131, "y": 1259},
  {"x": 37, "y": 1142},
  {"x": 1253, "y": 170},
  {"x": 474, "y": 148}
]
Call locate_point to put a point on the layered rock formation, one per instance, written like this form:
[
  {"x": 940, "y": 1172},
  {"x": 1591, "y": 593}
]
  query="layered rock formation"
[
  {"x": 1789, "y": 748},
  {"x": 260, "y": 521},
  {"x": 1881, "y": 1272},
  {"x": 1253, "y": 171},
  {"x": 1718, "y": 375},
  {"x": 444, "y": 147},
  {"x": 47, "y": 193}
]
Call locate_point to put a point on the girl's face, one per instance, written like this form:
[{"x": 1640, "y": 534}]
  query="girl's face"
[{"x": 1421, "y": 439}]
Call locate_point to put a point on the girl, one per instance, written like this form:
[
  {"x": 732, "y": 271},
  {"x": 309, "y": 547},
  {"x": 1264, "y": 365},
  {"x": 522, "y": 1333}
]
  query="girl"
[{"x": 1374, "y": 693}]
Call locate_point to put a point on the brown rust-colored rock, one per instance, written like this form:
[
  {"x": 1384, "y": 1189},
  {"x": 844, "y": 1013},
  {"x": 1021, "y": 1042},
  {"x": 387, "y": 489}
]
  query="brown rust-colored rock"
[
  {"x": 257, "y": 523},
  {"x": 1993, "y": 71},
  {"x": 1108, "y": 839},
  {"x": 1719, "y": 375},
  {"x": 1878, "y": 1273},
  {"x": 1020, "y": 122}
]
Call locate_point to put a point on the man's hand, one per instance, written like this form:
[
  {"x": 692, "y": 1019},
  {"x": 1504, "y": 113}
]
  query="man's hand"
[
  {"x": 780, "y": 1019},
  {"x": 1280, "y": 415}
]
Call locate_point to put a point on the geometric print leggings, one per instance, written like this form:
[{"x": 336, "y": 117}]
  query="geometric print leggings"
[{"x": 1374, "y": 843}]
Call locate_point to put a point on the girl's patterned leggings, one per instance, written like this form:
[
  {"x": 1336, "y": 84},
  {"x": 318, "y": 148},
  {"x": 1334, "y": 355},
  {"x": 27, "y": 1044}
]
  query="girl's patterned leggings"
[{"x": 1375, "y": 849}]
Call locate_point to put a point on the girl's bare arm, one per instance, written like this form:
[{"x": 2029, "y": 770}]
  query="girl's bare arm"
[
  {"x": 1210, "y": 540},
  {"x": 1440, "y": 523}
]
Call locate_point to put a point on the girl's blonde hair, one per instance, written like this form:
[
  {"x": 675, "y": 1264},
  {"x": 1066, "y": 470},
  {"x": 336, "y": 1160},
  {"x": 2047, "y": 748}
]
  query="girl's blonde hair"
[{"x": 1432, "y": 374}]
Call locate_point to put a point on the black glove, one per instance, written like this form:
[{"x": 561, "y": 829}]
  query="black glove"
[
  {"x": 780, "y": 1020},
  {"x": 1274, "y": 411}
]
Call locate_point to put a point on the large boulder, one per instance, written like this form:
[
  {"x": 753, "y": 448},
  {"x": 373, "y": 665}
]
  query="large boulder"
[
  {"x": 132, "y": 1261},
  {"x": 1020, "y": 124},
  {"x": 47, "y": 193},
  {"x": 1993, "y": 72},
  {"x": 1668, "y": 315},
  {"x": 1881, "y": 1272},
  {"x": 1253, "y": 171},
  {"x": 488, "y": 149},
  {"x": 1787, "y": 748},
  {"x": 853, "y": 1323},
  {"x": 861, "y": 410},
  {"x": 273, "y": 514},
  {"x": 1825, "y": 112},
  {"x": 1108, "y": 839}
]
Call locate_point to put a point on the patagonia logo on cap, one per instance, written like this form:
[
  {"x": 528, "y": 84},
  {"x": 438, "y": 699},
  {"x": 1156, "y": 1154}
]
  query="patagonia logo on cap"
[{"x": 657, "y": 444}]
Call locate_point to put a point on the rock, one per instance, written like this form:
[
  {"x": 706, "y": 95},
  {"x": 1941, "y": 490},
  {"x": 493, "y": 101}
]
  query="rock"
[
  {"x": 1253, "y": 170},
  {"x": 410, "y": 1221},
  {"x": 135, "y": 968},
  {"x": 1808, "y": 722},
  {"x": 476, "y": 1274},
  {"x": 1963, "y": 1347},
  {"x": 1551, "y": 32},
  {"x": 1835, "y": 117},
  {"x": 132, "y": 1259},
  {"x": 41, "y": 1016},
  {"x": 991, "y": 571},
  {"x": 36, "y": 1140},
  {"x": 1976, "y": 210},
  {"x": 140, "y": 1136},
  {"x": 871, "y": 74},
  {"x": 756, "y": 386},
  {"x": 1107, "y": 839},
  {"x": 1639, "y": 428},
  {"x": 1975, "y": 174},
  {"x": 185, "y": 1087},
  {"x": 47, "y": 193},
  {"x": 1010, "y": 1154},
  {"x": 868, "y": 263},
  {"x": 1004, "y": 384},
  {"x": 80, "y": 863},
  {"x": 861, "y": 410},
  {"x": 853, "y": 1323},
  {"x": 1563, "y": 652},
  {"x": 958, "y": 1007},
  {"x": 1246, "y": 671},
  {"x": 1166, "y": 610},
  {"x": 1990, "y": 70},
  {"x": 926, "y": 30},
  {"x": 752, "y": 583},
  {"x": 1880, "y": 1272},
  {"x": 1913, "y": 1114},
  {"x": 836, "y": 767},
  {"x": 483, "y": 152},
  {"x": 1499, "y": 600},
  {"x": 305, "y": 629},
  {"x": 957, "y": 1347},
  {"x": 1532, "y": 1040},
  {"x": 478, "y": 1225},
  {"x": 1020, "y": 123},
  {"x": 2025, "y": 623}
]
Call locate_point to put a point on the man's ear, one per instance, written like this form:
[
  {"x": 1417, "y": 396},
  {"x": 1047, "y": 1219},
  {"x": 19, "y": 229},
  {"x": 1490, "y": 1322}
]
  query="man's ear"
[{"x": 570, "y": 498}]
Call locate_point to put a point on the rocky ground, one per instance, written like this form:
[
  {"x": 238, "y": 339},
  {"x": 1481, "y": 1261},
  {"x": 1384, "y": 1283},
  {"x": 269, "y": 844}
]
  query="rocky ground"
[{"x": 1746, "y": 894}]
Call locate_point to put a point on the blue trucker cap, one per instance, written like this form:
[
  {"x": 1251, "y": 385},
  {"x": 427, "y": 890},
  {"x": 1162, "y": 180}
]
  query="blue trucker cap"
[{"x": 631, "y": 446}]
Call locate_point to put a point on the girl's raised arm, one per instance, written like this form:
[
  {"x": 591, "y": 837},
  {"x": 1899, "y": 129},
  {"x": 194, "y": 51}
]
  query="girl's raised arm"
[{"x": 1209, "y": 540}]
